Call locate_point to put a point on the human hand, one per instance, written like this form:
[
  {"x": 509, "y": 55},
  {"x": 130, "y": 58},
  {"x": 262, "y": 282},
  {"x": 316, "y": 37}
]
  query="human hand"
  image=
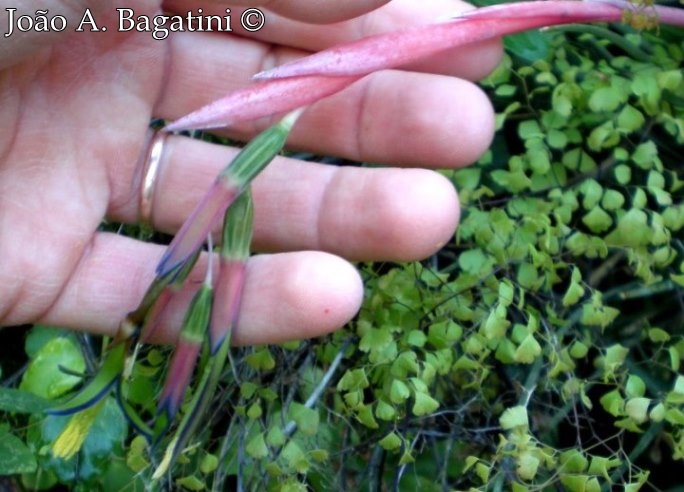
[{"x": 75, "y": 112}]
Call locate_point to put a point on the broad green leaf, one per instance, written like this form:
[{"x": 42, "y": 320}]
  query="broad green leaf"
[
  {"x": 573, "y": 461},
  {"x": 444, "y": 333},
  {"x": 592, "y": 192},
  {"x": 613, "y": 403},
  {"x": 597, "y": 220},
  {"x": 256, "y": 447},
  {"x": 385, "y": 411},
  {"x": 19, "y": 401},
  {"x": 578, "y": 350},
  {"x": 623, "y": 174},
  {"x": 39, "y": 335},
  {"x": 260, "y": 359},
  {"x": 615, "y": 357},
  {"x": 44, "y": 377},
  {"x": 390, "y": 442},
  {"x": 630, "y": 119},
  {"x": 578, "y": 160},
  {"x": 528, "y": 464},
  {"x": 354, "y": 379},
  {"x": 399, "y": 392},
  {"x": 635, "y": 386},
  {"x": 575, "y": 289},
  {"x": 307, "y": 419},
  {"x": 669, "y": 80},
  {"x": 606, "y": 99},
  {"x": 645, "y": 155},
  {"x": 475, "y": 261},
  {"x": 424, "y": 404},
  {"x": 191, "y": 482},
  {"x": 637, "y": 409},
  {"x": 612, "y": 200},
  {"x": 364, "y": 414},
  {"x": 15, "y": 456},
  {"x": 600, "y": 465},
  {"x": 375, "y": 339},
  {"x": 528, "y": 350},
  {"x": 657, "y": 413},
  {"x": 679, "y": 385},
  {"x": 514, "y": 417},
  {"x": 275, "y": 436},
  {"x": 496, "y": 324},
  {"x": 416, "y": 338}
]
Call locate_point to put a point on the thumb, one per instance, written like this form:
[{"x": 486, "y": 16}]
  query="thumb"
[{"x": 26, "y": 27}]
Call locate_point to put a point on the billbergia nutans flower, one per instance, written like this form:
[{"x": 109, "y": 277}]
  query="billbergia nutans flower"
[
  {"x": 309, "y": 79},
  {"x": 229, "y": 283}
]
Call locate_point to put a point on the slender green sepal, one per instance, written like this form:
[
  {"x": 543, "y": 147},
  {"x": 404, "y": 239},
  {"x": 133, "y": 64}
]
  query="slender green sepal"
[
  {"x": 237, "y": 239},
  {"x": 152, "y": 317},
  {"x": 99, "y": 386},
  {"x": 185, "y": 354},
  {"x": 251, "y": 160},
  {"x": 132, "y": 416}
]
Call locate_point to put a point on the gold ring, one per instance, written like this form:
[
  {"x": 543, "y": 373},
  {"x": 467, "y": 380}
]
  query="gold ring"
[{"x": 150, "y": 172}]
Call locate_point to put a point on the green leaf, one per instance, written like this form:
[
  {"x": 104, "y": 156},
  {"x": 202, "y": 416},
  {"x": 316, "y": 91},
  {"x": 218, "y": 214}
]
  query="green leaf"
[
  {"x": 256, "y": 447},
  {"x": 307, "y": 419},
  {"x": 385, "y": 411},
  {"x": 496, "y": 324},
  {"x": 630, "y": 119},
  {"x": 390, "y": 442},
  {"x": 592, "y": 191},
  {"x": 528, "y": 464},
  {"x": 528, "y": 350},
  {"x": 645, "y": 155},
  {"x": 514, "y": 417},
  {"x": 606, "y": 99},
  {"x": 15, "y": 400},
  {"x": 39, "y": 335},
  {"x": 613, "y": 403},
  {"x": 375, "y": 339},
  {"x": 364, "y": 414},
  {"x": 475, "y": 261},
  {"x": 679, "y": 385},
  {"x": 637, "y": 409},
  {"x": 657, "y": 413},
  {"x": 15, "y": 456},
  {"x": 575, "y": 289},
  {"x": 191, "y": 482},
  {"x": 260, "y": 359},
  {"x": 354, "y": 379},
  {"x": 612, "y": 200},
  {"x": 573, "y": 461},
  {"x": 399, "y": 392},
  {"x": 635, "y": 386},
  {"x": 578, "y": 160},
  {"x": 597, "y": 220},
  {"x": 424, "y": 404},
  {"x": 623, "y": 174},
  {"x": 43, "y": 376}
]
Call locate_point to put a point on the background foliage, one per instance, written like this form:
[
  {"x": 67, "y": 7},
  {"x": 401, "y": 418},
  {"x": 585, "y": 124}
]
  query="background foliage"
[{"x": 540, "y": 349}]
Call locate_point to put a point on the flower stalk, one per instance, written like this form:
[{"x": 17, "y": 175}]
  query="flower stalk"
[{"x": 307, "y": 80}]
